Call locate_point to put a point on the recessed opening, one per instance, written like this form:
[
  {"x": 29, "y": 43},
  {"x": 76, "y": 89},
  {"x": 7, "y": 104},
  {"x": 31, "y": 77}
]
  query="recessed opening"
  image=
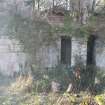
[
  {"x": 66, "y": 50},
  {"x": 91, "y": 50}
]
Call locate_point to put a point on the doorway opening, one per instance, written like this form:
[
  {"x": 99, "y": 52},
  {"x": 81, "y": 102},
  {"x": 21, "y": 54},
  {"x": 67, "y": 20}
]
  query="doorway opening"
[{"x": 66, "y": 50}]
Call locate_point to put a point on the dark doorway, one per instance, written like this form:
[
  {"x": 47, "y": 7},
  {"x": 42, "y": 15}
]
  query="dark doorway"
[
  {"x": 90, "y": 71},
  {"x": 66, "y": 50},
  {"x": 91, "y": 50}
]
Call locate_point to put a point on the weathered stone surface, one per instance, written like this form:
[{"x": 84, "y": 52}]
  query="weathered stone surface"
[
  {"x": 48, "y": 56},
  {"x": 79, "y": 51},
  {"x": 55, "y": 86},
  {"x": 100, "y": 53}
]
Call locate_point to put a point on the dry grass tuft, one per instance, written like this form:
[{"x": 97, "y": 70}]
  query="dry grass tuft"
[{"x": 22, "y": 84}]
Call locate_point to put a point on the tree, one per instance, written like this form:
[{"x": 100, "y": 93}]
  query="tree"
[{"x": 32, "y": 33}]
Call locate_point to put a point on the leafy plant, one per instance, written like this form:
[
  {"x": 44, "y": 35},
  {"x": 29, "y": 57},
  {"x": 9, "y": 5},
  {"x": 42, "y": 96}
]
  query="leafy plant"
[{"x": 100, "y": 99}]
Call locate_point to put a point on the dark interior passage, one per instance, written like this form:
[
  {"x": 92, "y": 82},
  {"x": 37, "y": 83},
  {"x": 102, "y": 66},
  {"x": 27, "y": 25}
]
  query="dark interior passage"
[
  {"x": 91, "y": 50},
  {"x": 66, "y": 50}
]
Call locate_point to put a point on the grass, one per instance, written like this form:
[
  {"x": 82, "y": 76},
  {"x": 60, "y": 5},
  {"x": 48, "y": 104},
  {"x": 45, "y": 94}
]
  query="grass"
[
  {"x": 22, "y": 84},
  {"x": 20, "y": 92}
]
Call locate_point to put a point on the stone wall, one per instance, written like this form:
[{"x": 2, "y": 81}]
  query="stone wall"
[
  {"x": 79, "y": 51},
  {"x": 100, "y": 53},
  {"x": 12, "y": 58},
  {"x": 50, "y": 56}
]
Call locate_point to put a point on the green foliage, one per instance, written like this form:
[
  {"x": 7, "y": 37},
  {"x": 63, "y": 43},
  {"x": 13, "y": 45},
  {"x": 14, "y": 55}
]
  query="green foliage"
[
  {"x": 100, "y": 81},
  {"x": 31, "y": 33},
  {"x": 88, "y": 100},
  {"x": 100, "y": 99},
  {"x": 100, "y": 74},
  {"x": 42, "y": 81},
  {"x": 42, "y": 85},
  {"x": 73, "y": 28},
  {"x": 44, "y": 77},
  {"x": 62, "y": 75}
]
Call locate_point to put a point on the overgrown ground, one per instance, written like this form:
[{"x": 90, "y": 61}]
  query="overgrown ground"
[{"x": 20, "y": 91}]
